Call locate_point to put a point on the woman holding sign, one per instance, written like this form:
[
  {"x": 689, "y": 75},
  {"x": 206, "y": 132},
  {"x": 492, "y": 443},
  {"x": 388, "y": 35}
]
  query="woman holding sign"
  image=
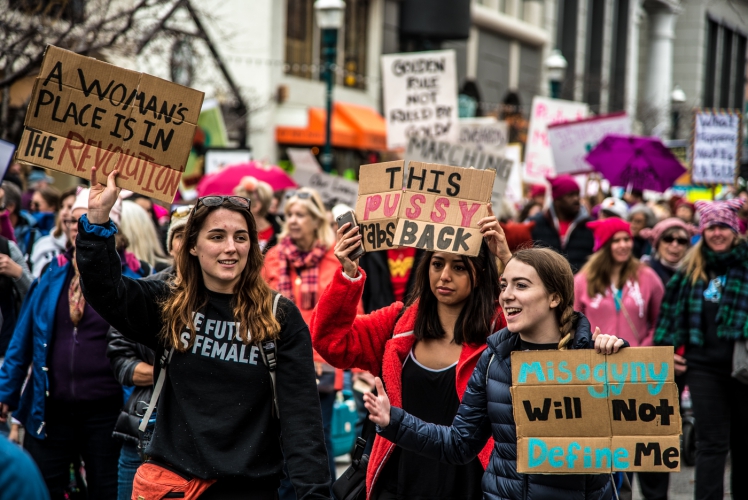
[
  {"x": 425, "y": 351},
  {"x": 537, "y": 294},
  {"x": 220, "y": 412},
  {"x": 706, "y": 310}
]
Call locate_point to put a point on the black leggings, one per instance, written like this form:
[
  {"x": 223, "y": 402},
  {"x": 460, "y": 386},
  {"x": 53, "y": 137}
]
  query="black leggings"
[
  {"x": 237, "y": 490},
  {"x": 720, "y": 406}
]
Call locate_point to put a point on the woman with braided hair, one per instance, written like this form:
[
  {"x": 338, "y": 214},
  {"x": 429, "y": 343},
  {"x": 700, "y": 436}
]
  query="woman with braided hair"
[{"x": 537, "y": 297}]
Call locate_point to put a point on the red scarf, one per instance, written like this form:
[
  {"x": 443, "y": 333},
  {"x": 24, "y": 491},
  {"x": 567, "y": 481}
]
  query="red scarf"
[{"x": 306, "y": 265}]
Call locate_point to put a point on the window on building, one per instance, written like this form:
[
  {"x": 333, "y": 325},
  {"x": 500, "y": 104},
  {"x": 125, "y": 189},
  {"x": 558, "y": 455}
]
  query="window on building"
[
  {"x": 593, "y": 79},
  {"x": 617, "y": 83},
  {"x": 566, "y": 42},
  {"x": 302, "y": 34},
  {"x": 356, "y": 14},
  {"x": 724, "y": 72}
]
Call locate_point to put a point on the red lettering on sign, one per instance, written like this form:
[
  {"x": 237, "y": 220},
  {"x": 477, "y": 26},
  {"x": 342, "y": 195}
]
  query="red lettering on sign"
[
  {"x": 372, "y": 204},
  {"x": 390, "y": 209},
  {"x": 468, "y": 213},
  {"x": 413, "y": 213},
  {"x": 439, "y": 214}
]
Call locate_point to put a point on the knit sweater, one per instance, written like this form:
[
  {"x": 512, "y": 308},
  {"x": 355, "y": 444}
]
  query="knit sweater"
[{"x": 641, "y": 300}]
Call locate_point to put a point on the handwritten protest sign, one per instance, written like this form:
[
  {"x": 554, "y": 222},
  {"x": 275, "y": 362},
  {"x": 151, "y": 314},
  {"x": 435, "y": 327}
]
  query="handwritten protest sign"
[
  {"x": 438, "y": 208},
  {"x": 420, "y": 96},
  {"x": 716, "y": 146},
  {"x": 458, "y": 155},
  {"x": 538, "y": 154},
  {"x": 572, "y": 141},
  {"x": 578, "y": 412},
  {"x": 484, "y": 134},
  {"x": 85, "y": 113}
]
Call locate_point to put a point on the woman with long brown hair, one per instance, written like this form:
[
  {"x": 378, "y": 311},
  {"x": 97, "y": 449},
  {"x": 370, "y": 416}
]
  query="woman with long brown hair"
[
  {"x": 614, "y": 290},
  {"x": 216, "y": 427},
  {"x": 537, "y": 297}
]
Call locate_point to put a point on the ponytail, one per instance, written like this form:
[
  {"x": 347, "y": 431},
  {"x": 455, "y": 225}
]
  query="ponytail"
[{"x": 566, "y": 326}]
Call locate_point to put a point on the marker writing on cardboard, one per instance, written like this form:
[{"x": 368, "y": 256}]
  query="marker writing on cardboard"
[
  {"x": 634, "y": 372},
  {"x": 538, "y": 453}
]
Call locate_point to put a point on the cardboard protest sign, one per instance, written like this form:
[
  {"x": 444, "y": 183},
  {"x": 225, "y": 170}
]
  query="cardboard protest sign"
[
  {"x": 578, "y": 412},
  {"x": 572, "y": 141},
  {"x": 445, "y": 153},
  {"x": 484, "y": 134},
  {"x": 538, "y": 155},
  {"x": 85, "y": 113},
  {"x": 380, "y": 190},
  {"x": 309, "y": 173},
  {"x": 420, "y": 96},
  {"x": 438, "y": 208},
  {"x": 716, "y": 146}
]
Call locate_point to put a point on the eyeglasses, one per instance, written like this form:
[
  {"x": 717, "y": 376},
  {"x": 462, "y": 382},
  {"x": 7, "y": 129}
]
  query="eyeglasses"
[
  {"x": 217, "y": 201},
  {"x": 70, "y": 222},
  {"x": 670, "y": 239}
]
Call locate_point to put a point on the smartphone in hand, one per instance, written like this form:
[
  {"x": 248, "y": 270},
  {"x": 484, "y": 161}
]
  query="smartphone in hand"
[{"x": 351, "y": 217}]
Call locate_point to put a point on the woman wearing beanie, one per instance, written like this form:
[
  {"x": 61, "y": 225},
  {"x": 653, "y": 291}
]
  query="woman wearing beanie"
[
  {"x": 614, "y": 290},
  {"x": 670, "y": 240},
  {"x": 705, "y": 311}
]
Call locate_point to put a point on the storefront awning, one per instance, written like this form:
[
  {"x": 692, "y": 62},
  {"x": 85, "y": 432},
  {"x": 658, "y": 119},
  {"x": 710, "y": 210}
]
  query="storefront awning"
[{"x": 353, "y": 127}]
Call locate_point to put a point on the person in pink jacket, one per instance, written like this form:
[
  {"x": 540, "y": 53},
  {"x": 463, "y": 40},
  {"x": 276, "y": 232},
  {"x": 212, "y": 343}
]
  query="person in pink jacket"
[{"x": 616, "y": 292}]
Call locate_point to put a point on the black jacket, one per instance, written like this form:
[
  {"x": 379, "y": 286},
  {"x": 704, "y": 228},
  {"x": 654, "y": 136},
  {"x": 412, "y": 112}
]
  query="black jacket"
[
  {"x": 226, "y": 431},
  {"x": 378, "y": 287},
  {"x": 124, "y": 355},
  {"x": 579, "y": 239},
  {"x": 486, "y": 410}
]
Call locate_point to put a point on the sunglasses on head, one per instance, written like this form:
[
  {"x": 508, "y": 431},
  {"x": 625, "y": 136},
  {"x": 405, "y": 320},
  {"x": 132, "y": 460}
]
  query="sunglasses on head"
[
  {"x": 304, "y": 195},
  {"x": 217, "y": 201},
  {"x": 670, "y": 239}
]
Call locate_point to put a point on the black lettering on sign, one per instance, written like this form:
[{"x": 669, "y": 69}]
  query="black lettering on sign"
[
  {"x": 647, "y": 412},
  {"x": 534, "y": 414},
  {"x": 461, "y": 240},
  {"x": 55, "y": 74},
  {"x": 40, "y": 145},
  {"x": 392, "y": 171},
  {"x": 408, "y": 236},
  {"x": 668, "y": 456},
  {"x": 378, "y": 235}
]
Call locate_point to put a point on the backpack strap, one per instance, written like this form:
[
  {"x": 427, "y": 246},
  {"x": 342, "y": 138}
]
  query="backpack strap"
[
  {"x": 165, "y": 359},
  {"x": 268, "y": 351}
]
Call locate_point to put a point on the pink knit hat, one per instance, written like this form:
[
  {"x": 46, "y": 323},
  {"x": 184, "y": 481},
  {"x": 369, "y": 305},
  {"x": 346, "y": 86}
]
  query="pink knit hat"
[
  {"x": 719, "y": 212},
  {"x": 562, "y": 185},
  {"x": 605, "y": 229},
  {"x": 654, "y": 234}
]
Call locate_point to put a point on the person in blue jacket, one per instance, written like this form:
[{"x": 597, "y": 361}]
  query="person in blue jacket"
[
  {"x": 72, "y": 399},
  {"x": 537, "y": 294},
  {"x": 19, "y": 476}
]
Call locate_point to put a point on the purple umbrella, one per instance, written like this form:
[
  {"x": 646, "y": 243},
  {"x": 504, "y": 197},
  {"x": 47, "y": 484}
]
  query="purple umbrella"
[{"x": 635, "y": 162}]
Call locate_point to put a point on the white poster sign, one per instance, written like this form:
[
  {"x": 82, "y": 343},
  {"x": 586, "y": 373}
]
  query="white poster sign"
[
  {"x": 538, "y": 154},
  {"x": 457, "y": 155},
  {"x": 303, "y": 159},
  {"x": 6, "y": 157},
  {"x": 716, "y": 147},
  {"x": 572, "y": 141},
  {"x": 309, "y": 173},
  {"x": 484, "y": 134},
  {"x": 217, "y": 159},
  {"x": 513, "y": 191},
  {"x": 420, "y": 97}
]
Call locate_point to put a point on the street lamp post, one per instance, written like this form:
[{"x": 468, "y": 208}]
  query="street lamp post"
[
  {"x": 329, "y": 15},
  {"x": 677, "y": 97},
  {"x": 556, "y": 67}
]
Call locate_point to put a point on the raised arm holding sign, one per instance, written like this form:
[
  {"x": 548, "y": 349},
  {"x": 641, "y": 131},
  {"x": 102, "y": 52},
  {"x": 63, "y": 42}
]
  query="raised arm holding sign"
[{"x": 537, "y": 297}]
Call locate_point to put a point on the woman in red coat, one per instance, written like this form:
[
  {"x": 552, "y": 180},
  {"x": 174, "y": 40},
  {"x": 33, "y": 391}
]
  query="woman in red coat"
[{"x": 425, "y": 352}]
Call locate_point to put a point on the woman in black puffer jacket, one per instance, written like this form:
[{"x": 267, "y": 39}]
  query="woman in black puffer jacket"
[{"x": 537, "y": 297}]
